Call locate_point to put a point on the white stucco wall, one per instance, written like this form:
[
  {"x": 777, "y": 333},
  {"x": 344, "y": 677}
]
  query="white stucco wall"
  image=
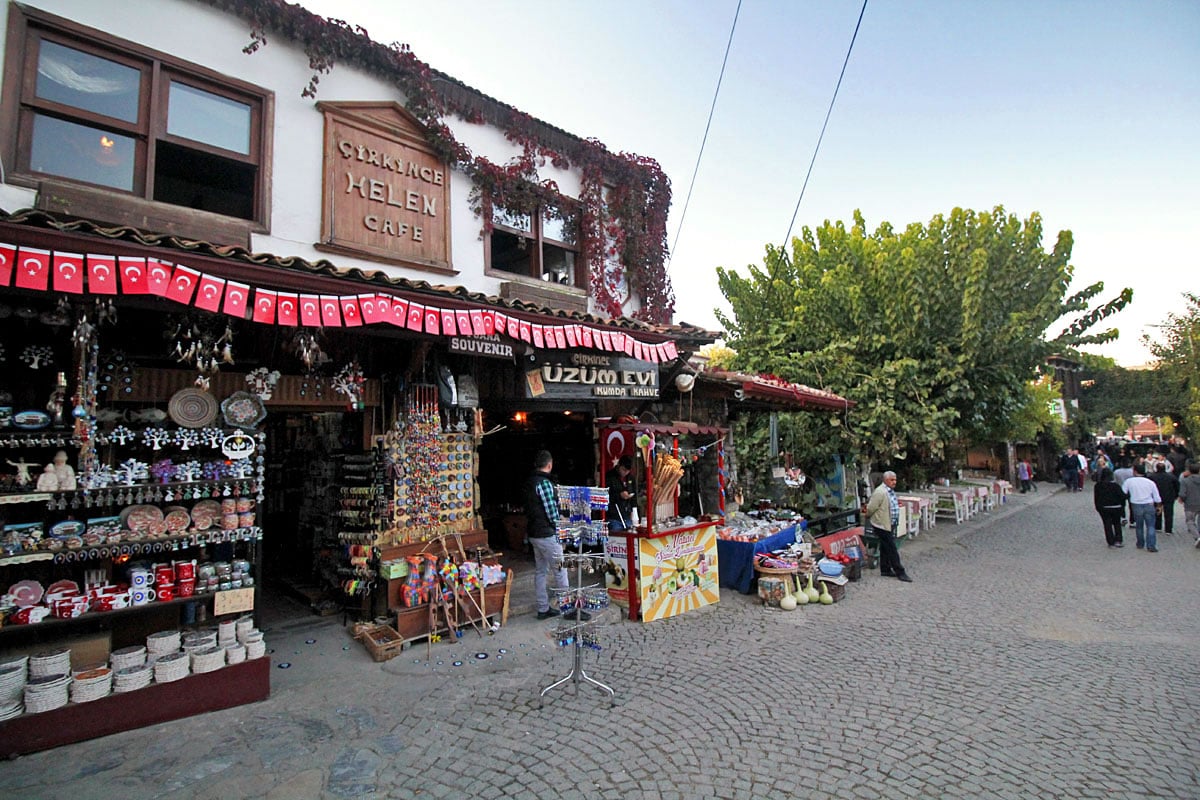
[{"x": 202, "y": 35}]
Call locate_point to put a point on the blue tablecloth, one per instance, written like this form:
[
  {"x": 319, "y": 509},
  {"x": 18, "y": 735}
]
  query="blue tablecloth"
[{"x": 735, "y": 560}]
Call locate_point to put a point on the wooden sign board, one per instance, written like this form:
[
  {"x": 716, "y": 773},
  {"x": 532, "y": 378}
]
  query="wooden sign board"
[{"x": 233, "y": 601}]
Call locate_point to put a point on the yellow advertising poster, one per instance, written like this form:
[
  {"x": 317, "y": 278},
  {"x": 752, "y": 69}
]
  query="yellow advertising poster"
[{"x": 678, "y": 573}]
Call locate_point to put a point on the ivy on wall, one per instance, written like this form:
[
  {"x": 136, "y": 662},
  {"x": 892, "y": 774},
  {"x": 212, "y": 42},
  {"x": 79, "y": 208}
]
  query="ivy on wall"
[{"x": 622, "y": 210}]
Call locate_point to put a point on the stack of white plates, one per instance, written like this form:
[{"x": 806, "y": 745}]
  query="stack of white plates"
[
  {"x": 235, "y": 653},
  {"x": 46, "y": 692},
  {"x": 226, "y": 632},
  {"x": 171, "y": 667},
  {"x": 199, "y": 641},
  {"x": 53, "y": 662},
  {"x": 209, "y": 659},
  {"x": 130, "y": 679},
  {"x": 11, "y": 662},
  {"x": 12, "y": 688},
  {"x": 256, "y": 648},
  {"x": 91, "y": 684},
  {"x": 243, "y": 626},
  {"x": 134, "y": 656},
  {"x": 161, "y": 643}
]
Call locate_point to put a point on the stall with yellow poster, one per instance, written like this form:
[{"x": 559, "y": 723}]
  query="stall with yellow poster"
[{"x": 677, "y": 571}]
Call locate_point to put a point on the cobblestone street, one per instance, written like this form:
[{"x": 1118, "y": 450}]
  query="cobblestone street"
[{"x": 1027, "y": 660}]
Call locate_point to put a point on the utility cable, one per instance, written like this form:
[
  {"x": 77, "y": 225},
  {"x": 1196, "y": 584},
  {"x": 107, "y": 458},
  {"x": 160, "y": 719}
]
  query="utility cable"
[
  {"x": 787, "y": 237},
  {"x": 704, "y": 140}
]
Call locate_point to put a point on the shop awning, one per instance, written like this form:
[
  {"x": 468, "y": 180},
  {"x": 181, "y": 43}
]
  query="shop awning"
[
  {"x": 768, "y": 392},
  {"x": 266, "y": 284}
]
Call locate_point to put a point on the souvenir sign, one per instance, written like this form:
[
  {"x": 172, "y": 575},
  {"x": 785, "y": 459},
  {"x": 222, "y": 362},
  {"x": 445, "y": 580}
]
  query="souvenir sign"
[{"x": 238, "y": 445}]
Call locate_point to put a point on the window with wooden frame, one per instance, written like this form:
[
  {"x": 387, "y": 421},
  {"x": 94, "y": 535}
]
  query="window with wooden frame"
[
  {"x": 109, "y": 114},
  {"x": 543, "y": 245}
]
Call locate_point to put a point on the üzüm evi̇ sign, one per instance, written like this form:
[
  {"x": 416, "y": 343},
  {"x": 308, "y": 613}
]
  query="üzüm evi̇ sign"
[
  {"x": 386, "y": 194},
  {"x": 592, "y": 376}
]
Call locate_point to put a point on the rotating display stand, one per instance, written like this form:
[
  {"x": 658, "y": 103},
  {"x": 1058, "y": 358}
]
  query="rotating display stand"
[{"x": 580, "y": 630}]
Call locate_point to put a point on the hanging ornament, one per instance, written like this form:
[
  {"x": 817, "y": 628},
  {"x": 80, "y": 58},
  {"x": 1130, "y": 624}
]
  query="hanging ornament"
[
  {"x": 350, "y": 382},
  {"x": 262, "y": 382}
]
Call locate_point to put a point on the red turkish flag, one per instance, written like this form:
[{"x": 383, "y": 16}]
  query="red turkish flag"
[
  {"x": 158, "y": 276},
  {"x": 560, "y": 336},
  {"x": 8, "y": 257},
  {"x": 629, "y": 342},
  {"x": 102, "y": 274},
  {"x": 399, "y": 316},
  {"x": 572, "y": 336},
  {"x": 210, "y": 292},
  {"x": 536, "y": 331},
  {"x": 68, "y": 272},
  {"x": 237, "y": 295},
  {"x": 183, "y": 284},
  {"x": 432, "y": 315},
  {"x": 416, "y": 317},
  {"x": 489, "y": 323},
  {"x": 449, "y": 328},
  {"x": 288, "y": 309},
  {"x": 670, "y": 350},
  {"x": 605, "y": 340},
  {"x": 477, "y": 325},
  {"x": 133, "y": 275},
  {"x": 330, "y": 315},
  {"x": 370, "y": 311},
  {"x": 310, "y": 310},
  {"x": 585, "y": 336},
  {"x": 463, "y": 318},
  {"x": 351, "y": 313},
  {"x": 33, "y": 269},
  {"x": 500, "y": 324},
  {"x": 524, "y": 331},
  {"x": 264, "y": 306}
]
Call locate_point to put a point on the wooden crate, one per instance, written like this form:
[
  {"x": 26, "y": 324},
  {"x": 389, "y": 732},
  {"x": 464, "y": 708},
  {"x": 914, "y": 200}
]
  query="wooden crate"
[{"x": 383, "y": 642}]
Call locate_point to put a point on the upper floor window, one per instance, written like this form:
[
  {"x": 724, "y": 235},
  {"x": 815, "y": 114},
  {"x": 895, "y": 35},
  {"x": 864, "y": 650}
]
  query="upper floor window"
[
  {"x": 111, "y": 114},
  {"x": 541, "y": 245}
]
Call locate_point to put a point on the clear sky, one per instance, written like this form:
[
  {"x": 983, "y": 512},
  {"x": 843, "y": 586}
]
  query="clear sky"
[{"x": 1087, "y": 112}]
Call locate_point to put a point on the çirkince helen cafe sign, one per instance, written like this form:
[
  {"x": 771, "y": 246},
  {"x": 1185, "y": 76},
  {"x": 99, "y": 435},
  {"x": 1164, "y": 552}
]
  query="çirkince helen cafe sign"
[{"x": 589, "y": 376}]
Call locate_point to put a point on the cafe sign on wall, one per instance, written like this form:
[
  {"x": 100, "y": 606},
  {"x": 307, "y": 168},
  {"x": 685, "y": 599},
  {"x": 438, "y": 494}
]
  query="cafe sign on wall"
[
  {"x": 386, "y": 194},
  {"x": 588, "y": 376}
]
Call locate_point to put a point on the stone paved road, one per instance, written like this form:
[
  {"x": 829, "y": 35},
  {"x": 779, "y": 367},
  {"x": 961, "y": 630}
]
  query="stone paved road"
[{"x": 1028, "y": 660}]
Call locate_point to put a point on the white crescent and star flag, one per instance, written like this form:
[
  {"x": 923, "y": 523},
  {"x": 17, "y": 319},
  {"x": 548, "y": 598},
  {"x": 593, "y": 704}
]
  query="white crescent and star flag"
[
  {"x": 264, "y": 306},
  {"x": 287, "y": 308},
  {"x": 158, "y": 276},
  {"x": 331, "y": 317},
  {"x": 183, "y": 284},
  {"x": 310, "y": 310},
  {"x": 399, "y": 312},
  {"x": 209, "y": 293},
  {"x": 489, "y": 323},
  {"x": 351, "y": 314},
  {"x": 237, "y": 295},
  {"x": 416, "y": 316},
  {"x": 431, "y": 320},
  {"x": 463, "y": 318},
  {"x": 477, "y": 326},
  {"x": 68, "y": 272},
  {"x": 500, "y": 324},
  {"x": 449, "y": 326},
  {"x": 8, "y": 257},
  {"x": 33, "y": 269},
  {"x": 370, "y": 309},
  {"x": 102, "y": 274},
  {"x": 133, "y": 275}
]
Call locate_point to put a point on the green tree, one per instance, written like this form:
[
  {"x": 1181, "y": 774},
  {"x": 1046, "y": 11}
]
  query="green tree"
[
  {"x": 932, "y": 331},
  {"x": 1177, "y": 362}
]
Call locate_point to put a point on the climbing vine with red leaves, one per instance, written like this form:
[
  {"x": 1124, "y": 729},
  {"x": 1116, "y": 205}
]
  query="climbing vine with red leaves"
[{"x": 621, "y": 212}]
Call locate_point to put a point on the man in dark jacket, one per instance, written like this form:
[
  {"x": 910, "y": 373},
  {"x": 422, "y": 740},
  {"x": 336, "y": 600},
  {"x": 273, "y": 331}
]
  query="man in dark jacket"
[
  {"x": 541, "y": 517},
  {"x": 1168, "y": 487},
  {"x": 1110, "y": 504}
]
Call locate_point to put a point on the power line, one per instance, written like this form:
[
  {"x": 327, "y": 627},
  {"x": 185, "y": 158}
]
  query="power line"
[
  {"x": 707, "y": 125},
  {"x": 787, "y": 237}
]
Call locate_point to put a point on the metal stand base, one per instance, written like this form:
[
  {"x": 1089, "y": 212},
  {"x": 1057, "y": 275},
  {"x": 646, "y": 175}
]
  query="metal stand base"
[{"x": 576, "y": 675}]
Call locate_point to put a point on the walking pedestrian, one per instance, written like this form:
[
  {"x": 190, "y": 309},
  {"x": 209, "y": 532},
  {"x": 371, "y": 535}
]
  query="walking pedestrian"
[
  {"x": 883, "y": 513},
  {"x": 1122, "y": 473},
  {"x": 1168, "y": 489},
  {"x": 1068, "y": 469},
  {"x": 1083, "y": 468},
  {"x": 1143, "y": 498},
  {"x": 1024, "y": 475},
  {"x": 541, "y": 515},
  {"x": 1110, "y": 504},
  {"x": 1189, "y": 495}
]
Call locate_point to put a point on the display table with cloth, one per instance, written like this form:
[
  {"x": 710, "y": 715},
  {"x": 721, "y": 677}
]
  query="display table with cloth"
[{"x": 736, "y": 559}]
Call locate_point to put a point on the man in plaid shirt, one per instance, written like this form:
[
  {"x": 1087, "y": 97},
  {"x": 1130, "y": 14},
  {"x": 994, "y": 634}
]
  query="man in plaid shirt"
[{"x": 541, "y": 514}]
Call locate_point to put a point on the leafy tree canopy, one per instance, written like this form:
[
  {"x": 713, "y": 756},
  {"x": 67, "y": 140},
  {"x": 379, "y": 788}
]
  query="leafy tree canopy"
[
  {"x": 1178, "y": 362},
  {"x": 934, "y": 331}
]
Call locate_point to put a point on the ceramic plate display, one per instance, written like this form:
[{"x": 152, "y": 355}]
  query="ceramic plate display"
[
  {"x": 177, "y": 519},
  {"x": 31, "y": 420},
  {"x": 192, "y": 408},
  {"x": 143, "y": 518},
  {"x": 205, "y": 514},
  {"x": 243, "y": 410},
  {"x": 26, "y": 593}
]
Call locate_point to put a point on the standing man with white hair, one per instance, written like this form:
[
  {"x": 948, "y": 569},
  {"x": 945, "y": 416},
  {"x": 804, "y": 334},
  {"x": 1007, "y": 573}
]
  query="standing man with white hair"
[{"x": 883, "y": 516}]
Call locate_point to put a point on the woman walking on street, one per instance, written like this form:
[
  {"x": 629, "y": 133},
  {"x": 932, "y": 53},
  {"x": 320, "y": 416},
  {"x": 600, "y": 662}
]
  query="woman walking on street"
[{"x": 1110, "y": 503}]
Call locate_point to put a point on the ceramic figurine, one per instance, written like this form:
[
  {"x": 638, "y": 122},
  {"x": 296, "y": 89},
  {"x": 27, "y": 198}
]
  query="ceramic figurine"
[
  {"x": 64, "y": 472},
  {"x": 48, "y": 480},
  {"x": 23, "y": 476}
]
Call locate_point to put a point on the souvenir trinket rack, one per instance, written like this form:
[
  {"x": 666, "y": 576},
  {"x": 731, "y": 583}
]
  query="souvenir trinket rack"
[{"x": 578, "y": 530}]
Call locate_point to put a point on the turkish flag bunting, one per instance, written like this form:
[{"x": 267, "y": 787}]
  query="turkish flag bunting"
[
  {"x": 463, "y": 318},
  {"x": 560, "y": 336},
  {"x": 383, "y": 308},
  {"x": 310, "y": 310},
  {"x": 536, "y": 330},
  {"x": 500, "y": 324},
  {"x": 637, "y": 350},
  {"x": 330, "y": 315},
  {"x": 183, "y": 284},
  {"x": 399, "y": 312},
  {"x": 477, "y": 326},
  {"x": 351, "y": 313},
  {"x": 264, "y": 306},
  {"x": 158, "y": 276},
  {"x": 68, "y": 272},
  {"x": 370, "y": 311},
  {"x": 237, "y": 295},
  {"x": 489, "y": 323},
  {"x": 629, "y": 341},
  {"x": 208, "y": 295},
  {"x": 656, "y": 353},
  {"x": 524, "y": 329},
  {"x": 33, "y": 271},
  {"x": 8, "y": 256},
  {"x": 605, "y": 340},
  {"x": 585, "y": 336},
  {"x": 133, "y": 275},
  {"x": 672, "y": 353},
  {"x": 432, "y": 316},
  {"x": 572, "y": 336},
  {"x": 449, "y": 327},
  {"x": 416, "y": 317},
  {"x": 102, "y": 274},
  {"x": 288, "y": 309}
]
